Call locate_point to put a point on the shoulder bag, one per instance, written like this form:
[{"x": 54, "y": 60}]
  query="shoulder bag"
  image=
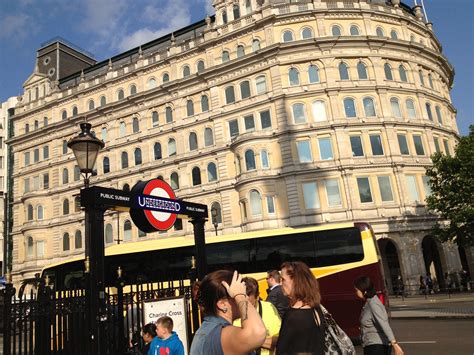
[{"x": 336, "y": 341}]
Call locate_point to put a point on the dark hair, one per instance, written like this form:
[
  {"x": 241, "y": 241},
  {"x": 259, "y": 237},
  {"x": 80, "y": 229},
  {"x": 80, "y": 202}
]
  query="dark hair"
[
  {"x": 365, "y": 285},
  {"x": 149, "y": 328},
  {"x": 165, "y": 322},
  {"x": 305, "y": 285},
  {"x": 251, "y": 286},
  {"x": 211, "y": 290},
  {"x": 275, "y": 274}
]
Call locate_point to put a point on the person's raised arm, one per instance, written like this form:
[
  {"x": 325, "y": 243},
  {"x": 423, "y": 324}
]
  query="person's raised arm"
[{"x": 252, "y": 333}]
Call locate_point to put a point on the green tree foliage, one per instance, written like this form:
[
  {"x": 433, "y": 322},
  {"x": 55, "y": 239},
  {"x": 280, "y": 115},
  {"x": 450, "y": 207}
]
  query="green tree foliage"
[{"x": 452, "y": 197}]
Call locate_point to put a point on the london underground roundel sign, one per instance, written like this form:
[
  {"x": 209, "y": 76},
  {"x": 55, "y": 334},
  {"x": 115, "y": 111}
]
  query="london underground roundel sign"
[{"x": 154, "y": 205}]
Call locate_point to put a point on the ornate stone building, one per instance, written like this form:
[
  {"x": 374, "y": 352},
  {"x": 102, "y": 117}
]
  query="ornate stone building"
[{"x": 274, "y": 113}]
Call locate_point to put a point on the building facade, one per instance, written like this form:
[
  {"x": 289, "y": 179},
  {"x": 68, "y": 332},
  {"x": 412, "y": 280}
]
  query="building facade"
[{"x": 273, "y": 113}]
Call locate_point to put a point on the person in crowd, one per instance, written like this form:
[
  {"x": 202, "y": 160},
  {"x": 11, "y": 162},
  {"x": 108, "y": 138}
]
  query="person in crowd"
[
  {"x": 429, "y": 283},
  {"x": 275, "y": 293},
  {"x": 448, "y": 281},
  {"x": 302, "y": 326},
  {"x": 222, "y": 295},
  {"x": 167, "y": 341},
  {"x": 148, "y": 334},
  {"x": 400, "y": 287},
  {"x": 377, "y": 336},
  {"x": 269, "y": 315},
  {"x": 422, "y": 286}
]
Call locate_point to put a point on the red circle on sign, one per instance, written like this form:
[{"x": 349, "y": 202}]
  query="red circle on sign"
[{"x": 160, "y": 220}]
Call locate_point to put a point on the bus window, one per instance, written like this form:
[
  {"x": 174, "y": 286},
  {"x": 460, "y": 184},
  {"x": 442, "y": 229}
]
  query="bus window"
[
  {"x": 338, "y": 247},
  {"x": 235, "y": 255}
]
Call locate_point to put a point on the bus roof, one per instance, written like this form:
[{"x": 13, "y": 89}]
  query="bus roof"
[{"x": 177, "y": 242}]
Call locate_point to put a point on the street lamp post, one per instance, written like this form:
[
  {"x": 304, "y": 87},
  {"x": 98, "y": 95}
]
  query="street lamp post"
[
  {"x": 214, "y": 218},
  {"x": 86, "y": 148}
]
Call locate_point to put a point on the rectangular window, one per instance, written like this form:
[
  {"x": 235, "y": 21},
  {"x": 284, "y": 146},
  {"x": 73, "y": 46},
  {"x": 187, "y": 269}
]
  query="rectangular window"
[
  {"x": 436, "y": 143},
  {"x": 46, "y": 152},
  {"x": 40, "y": 248},
  {"x": 234, "y": 128},
  {"x": 426, "y": 185},
  {"x": 304, "y": 151},
  {"x": 26, "y": 183},
  {"x": 446, "y": 147},
  {"x": 36, "y": 183},
  {"x": 333, "y": 193},
  {"x": 310, "y": 195},
  {"x": 265, "y": 119},
  {"x": 325, "y": 149},
  {"x": 365, "y": 193},
  {"x": 46, "y": 181},
  {"x": 356, "y": 145},
  {"x": 1, "y": 182},
  {"x": 1, "y": 162},
  {"x": 27, "y": 158},
  {"x": 270, "y": 205},
  {"x": 418, "y": 145},
  {"x": 376, "y": 144},
  {"x": 36, "y": 155},
  {"x": 249, "y": 123},
  {"x": 385, "y": 188},
  {"x": 403, "y": 144},
  {"x": 412, "y": 188}
]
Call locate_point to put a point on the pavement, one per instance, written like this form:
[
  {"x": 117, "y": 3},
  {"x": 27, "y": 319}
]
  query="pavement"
[{"x": 439, "y": 306}]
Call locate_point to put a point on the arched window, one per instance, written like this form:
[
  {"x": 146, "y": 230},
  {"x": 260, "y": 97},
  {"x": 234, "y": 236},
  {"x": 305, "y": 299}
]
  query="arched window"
[
  {"x": 395, "y": 105},
  {"x": 77, "y": 173},
  {"x": 229, "y": 95},
  {"x": 157, "y": 151},
  {"x": 75, "y": 111},
  {"x": 77, "y": 204},
  {"x": 216, "y": 216},
  {"x": 255, "y": 45},
  {"x": 354, "y": 30},
  {"x": 307, "y": 33},
  {"x": 403, "y": 73},
  {"x": 250, "y": 160},
  {"x": 66, "y": 245},
  {"x": 336, "y": 30},
  {"x": 124, "y": 159},
  {"x": 27, "y": 127},
  {"x": 189, "y": 108},
  {"x": 36, "y": 125},
  {"x": 196, "y": 175},
  {"x": 393, "y": 34},
  {"x": 261, "y": 84},
  {"x": 65, "y": 147},
  {"x": 103, "y": 101},
  {"x": 343, "y": 71},
  {"x": 169, "y": 114},
  {"x": 65, "y": 206},
  {"x": 430, "y": 80},
  {"x": 171, "y": 147},
  {"x": 165, "y": 78},
  {"x": 138, "y": 156},
  {"x": 135, "y": 125},
  {"x": 412, "y": 38},
  {"x": 151, "y": 84},
  {"x": 39, "y": 212},
  {"x": 122, "y": 129},
  {"x": 109, "y": 238},
  {"x": 369, "y": 107},
  {"x": 255, "y": 203},
  {"x": 224, "y": 17},
  {"x": 211, "y": 172},
  {"x": 64, "y": 115},
  {"x": 428, "y": 111},
  {"x": 236, "y": 11},
  {"x": 422, "y": 79},
  {"x": 204, "y": 103},
  {"x": 193, "y": 141},
  {"x": 78, "y": 240},
  {"x": 186, "y": 71},
  {"x": 410, "y": 108},
  {"x": 65, "y": 176},
  {"x": 155, "y": 122},
  {"x": 380, "y": 32},
  {"x": 362, "y": 71},
  {"x": 438, "y": 114},
  {"x": 174, "y": 180},
  {"x": 248, "y": 7},
  {"x": 106, "y": 165},
  {"x": 264, "y": 159},
  {"x": 127, "y": 230},
  {"x": 29, "y": 212},
  {"x": 388, "y": 71},
  {"x": 240, "y": 51},
  {"x": 29, "y": 246},
  {"x": 294, "y": 76},
  {"x": 287, "y": 36},
  {"x": 208, "y": 137},
  {"x": 349, "y": 107},
  {"x": 245, "y": 89},
  {"x": 319, "y": 111},
  {"x": 225, "y": 56},
  {"x": 120, "y": 94},
  {"x": 313, "y": 74},
  {"x": 45, "y": 121},
  {"x": 91, "y": 105},
  {"x": 299, "y": 114},
  {"x": 200, "y": 66}
]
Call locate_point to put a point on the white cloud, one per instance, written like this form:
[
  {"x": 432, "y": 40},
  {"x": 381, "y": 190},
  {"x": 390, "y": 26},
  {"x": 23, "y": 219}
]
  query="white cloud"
[{"x": 14, "y": 27}]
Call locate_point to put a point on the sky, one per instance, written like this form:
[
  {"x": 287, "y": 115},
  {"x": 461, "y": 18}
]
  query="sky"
[{"x": 108, "y": 27}]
